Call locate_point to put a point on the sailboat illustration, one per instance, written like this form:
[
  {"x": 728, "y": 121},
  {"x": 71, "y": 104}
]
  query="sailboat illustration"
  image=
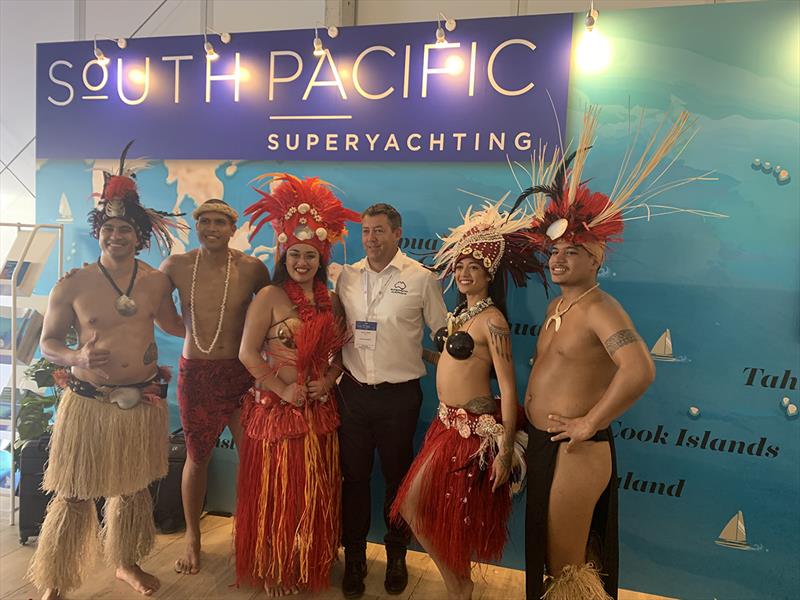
[
  {"x": 733, "y": 535},
  {"x": 64, "y": 211},
  {"x": 662, "y": 349}
]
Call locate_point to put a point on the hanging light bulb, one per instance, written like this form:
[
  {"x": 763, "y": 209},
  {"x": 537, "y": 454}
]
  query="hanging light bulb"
[
  {"x": 318, "y": 49},
  {"x": 449, "y": 24},
  {"x": 99, "y": 55},
  {"x": 591, "y": 17},
  {"x": 101, "y": 58},
  {"x": 593, "y": 53},
  {"x": 333, "y": 31},
  {"x": 211, "y": 54}
]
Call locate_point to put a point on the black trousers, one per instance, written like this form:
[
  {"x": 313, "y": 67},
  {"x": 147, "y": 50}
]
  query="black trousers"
[{"x": 382, "y": 417}]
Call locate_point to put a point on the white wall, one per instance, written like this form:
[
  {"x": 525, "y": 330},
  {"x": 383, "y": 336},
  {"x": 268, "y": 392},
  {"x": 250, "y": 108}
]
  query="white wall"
[{"x": 23, "y": 23}]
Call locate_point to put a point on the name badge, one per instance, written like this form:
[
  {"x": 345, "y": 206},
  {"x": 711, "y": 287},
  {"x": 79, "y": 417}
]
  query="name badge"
[{"x": 366, "y": 334}]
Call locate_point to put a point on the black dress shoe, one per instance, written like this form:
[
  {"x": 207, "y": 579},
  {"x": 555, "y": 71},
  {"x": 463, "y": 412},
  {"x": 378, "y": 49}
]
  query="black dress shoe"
[
  {"x": 396, "y": 575},
  {"x": 353, "y": 580}
]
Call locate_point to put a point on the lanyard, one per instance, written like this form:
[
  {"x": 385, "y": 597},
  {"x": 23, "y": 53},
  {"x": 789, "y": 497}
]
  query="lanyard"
[{"x": 371, "y": 304}]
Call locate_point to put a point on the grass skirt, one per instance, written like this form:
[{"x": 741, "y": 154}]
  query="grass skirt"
[
  {"x": 456, "y": 510},
  {"x": 100, "y": 450},
  {"x": 288, "y": 509}
]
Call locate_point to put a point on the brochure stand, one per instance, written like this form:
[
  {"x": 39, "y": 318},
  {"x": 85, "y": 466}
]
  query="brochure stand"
[{"x": 20, "y": 271}]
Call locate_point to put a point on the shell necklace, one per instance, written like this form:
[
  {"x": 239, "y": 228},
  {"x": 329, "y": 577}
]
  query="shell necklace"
[
  {"x": 124, "y": 304},
  {"x": 221, "y": 308},
  {"x": 556, "y": 316},
  {"x": 462, "y": 314}
]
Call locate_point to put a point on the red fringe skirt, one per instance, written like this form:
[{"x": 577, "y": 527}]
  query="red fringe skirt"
[
  {"x": 457, "y": 512},
  {"x": 288, "y": 508}
]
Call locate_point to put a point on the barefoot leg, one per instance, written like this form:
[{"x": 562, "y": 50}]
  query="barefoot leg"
[
  {"x": 139, "y": 580},
  {"x": 193, "y": 490},
  {"x": 458, "y": 588},
  {"x": 579, "y": 480}
]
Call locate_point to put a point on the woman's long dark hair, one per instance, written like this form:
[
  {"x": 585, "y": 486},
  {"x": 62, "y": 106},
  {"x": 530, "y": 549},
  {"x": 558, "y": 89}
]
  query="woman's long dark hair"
[
  {"x": 497, "y": 292},
  {"x": 281, "y": 275}
]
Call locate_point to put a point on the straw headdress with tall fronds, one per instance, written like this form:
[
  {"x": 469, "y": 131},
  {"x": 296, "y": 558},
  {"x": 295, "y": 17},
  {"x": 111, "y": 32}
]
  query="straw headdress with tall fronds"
[{"x": 566, "y": 209}]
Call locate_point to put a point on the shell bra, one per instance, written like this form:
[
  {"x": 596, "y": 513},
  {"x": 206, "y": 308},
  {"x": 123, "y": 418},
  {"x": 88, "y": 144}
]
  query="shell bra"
[{"x": 460, "y": 344}]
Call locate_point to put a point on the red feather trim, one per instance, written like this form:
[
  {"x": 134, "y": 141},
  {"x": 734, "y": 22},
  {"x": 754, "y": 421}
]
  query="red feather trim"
[{"x": 280, "y": 207}]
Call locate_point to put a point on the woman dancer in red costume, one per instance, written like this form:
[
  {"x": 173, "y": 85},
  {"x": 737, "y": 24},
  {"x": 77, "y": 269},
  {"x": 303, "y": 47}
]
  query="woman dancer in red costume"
[
  {"x": 289, "y": 491},
  {"x": 456, "y": 496}
]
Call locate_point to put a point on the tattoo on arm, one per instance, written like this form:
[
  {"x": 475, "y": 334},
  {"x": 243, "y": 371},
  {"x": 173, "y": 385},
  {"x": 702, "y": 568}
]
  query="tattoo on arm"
[
  {"x": 501, "y": 341},
  {"x": 621, "y": 338},
  {"x": 151, "y": 354},
  {"x": 482, "y": 405}
]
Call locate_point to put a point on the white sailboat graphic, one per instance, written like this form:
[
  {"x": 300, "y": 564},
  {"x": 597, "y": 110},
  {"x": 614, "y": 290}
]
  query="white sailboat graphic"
[
  {"x": 733, "y": 535},
  {"x": 662, "y": 349},
  {"x": 64, "y": 211}
]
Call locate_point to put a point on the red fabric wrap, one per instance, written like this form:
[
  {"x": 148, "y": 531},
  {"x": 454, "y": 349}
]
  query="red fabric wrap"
[
  {"x": 456, "y": 510},
  {"x": 209, "y": 391}
]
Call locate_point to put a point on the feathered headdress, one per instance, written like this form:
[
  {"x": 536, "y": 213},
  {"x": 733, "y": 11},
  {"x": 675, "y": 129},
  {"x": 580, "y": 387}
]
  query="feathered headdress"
[
  {"x": 566, "y": 209},
  {"x": 499, "y": 239},
  {"x": 120, "y": 200},
  {"x": 302, "y": 211}
]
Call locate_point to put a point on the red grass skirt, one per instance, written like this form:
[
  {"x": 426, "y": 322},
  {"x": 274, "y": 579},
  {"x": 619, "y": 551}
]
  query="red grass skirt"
[
  {"x": 457, "y": 512},
  {"x": 288, "y": 508}
]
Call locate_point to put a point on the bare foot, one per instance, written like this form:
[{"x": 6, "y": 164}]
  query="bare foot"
[
  {"x": 278, "y": 591},
  {"x": 51, "y": 594},
  {"x": 142, "y": 582},
  {"x": 189, "y": 564}
]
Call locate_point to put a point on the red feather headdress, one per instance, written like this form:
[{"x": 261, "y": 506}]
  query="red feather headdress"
[{"x": 302, "y": 211}]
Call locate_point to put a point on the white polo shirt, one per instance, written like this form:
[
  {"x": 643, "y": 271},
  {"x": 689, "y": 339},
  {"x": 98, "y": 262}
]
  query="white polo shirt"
[{"x": 401, "y": 299}]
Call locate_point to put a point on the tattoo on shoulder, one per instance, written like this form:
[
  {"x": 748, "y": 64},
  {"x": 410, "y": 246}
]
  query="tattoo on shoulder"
[
  {"x": 482, "y": 405},
  {"x": 151, "y": 354},
  {"x": 621, "y": 338},
  {"x": 500, "y": 338}
]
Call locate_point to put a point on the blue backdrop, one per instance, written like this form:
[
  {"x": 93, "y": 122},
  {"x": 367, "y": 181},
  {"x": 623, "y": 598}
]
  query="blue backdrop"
[{"x": 727, "y": 289}]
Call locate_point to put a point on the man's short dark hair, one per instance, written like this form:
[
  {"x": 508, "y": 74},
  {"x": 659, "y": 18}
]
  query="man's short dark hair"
[{"x": 395, "y": 220}]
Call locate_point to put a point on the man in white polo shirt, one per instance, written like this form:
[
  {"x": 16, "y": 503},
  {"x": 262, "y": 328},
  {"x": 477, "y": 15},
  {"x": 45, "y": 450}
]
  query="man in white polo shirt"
[{"x": 389, "y": 299}]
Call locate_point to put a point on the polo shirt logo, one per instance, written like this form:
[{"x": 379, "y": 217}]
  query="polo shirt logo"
[{"x": 399, "y": 287}]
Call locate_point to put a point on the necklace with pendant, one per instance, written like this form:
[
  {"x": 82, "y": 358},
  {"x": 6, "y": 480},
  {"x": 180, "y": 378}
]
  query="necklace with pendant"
[
  {"x": 221, "y": 308},
  {"x": 556, "y": 316},
  {"x": 124, "y": 304},
  {"x": 461, "y": 316}
]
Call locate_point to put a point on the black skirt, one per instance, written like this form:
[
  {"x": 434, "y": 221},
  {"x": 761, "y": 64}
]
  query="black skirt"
[{"x": 541, "y": 457}]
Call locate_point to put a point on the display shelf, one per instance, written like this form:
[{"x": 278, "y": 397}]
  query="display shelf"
[{"x": 19, "y": 273}]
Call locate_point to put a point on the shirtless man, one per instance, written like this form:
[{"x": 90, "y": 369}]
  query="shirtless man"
[
  {"x": 110, "y": 435},
  {"x": 590, "y": 367},
  {"x": 216, "y": 285}
]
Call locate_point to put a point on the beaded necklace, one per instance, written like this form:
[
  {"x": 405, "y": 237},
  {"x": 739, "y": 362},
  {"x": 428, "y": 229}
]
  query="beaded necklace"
[{"x": 221, "y": 308}]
